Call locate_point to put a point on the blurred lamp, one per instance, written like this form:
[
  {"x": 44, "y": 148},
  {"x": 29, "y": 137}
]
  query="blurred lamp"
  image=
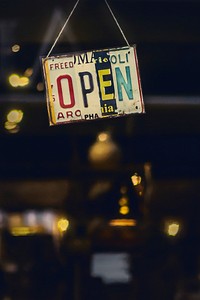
[
  {"x": 172, "y": 227},
  {"x": 104, "y": 153}
]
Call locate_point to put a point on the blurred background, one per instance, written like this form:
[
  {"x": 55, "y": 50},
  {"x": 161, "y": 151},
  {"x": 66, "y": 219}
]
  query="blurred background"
[{"x": 104, "y": 209}]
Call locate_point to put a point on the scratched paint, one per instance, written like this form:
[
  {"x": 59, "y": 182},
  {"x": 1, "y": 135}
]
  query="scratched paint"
[{"x": 92, "y": 84}]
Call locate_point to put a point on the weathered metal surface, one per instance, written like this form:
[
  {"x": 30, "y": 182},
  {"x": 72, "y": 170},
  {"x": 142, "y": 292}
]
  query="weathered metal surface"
[{"x": 93, "y": 84}]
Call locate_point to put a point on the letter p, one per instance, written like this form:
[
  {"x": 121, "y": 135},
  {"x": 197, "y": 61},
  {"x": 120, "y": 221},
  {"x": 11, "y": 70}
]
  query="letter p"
[{"x": 86, "y": 89}]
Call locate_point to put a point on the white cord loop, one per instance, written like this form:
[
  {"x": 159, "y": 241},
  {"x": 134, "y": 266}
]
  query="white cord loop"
[
  {"x": 71, "y": 13},
  {"x": 61, "y": 31},
  {"x": 117, "y": 23}
]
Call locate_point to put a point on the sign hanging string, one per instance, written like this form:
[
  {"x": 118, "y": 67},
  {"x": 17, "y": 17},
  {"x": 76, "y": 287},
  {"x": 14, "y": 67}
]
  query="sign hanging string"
[
  {"x": 71, "y": 13},
  {"x": 117, "y": 23},
  {"x": 61, "y": 31}
]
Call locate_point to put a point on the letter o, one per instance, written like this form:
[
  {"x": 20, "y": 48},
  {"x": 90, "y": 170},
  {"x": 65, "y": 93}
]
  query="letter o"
[
  {"x": 115, "y": 59},
  {"x": 60, "y": 91},
  {"x": 78, "y": 113}
]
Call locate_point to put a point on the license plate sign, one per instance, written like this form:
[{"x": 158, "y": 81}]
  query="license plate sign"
[{"x": 94, "y": 84}]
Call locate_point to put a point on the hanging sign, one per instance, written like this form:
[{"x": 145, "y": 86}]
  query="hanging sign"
[{"x": 93, "y": 84}]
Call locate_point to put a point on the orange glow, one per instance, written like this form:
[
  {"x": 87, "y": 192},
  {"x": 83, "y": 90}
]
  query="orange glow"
[
  {"x": 23, "y": 81},
  {"x": 28, "y": 72},
  {"x": 123, "y": 222},
  {"x": 63, "y": 225},
  {"x": 103, "y": 137},
  {"x": 123, "y": 201},
  {"x": 124, "y": 210},
  {"x": 40, "y": 87},
  {"x": 15, "y": 220},
  {"x": 24, "y": 230},
  {"x": 136, "y": 179}
]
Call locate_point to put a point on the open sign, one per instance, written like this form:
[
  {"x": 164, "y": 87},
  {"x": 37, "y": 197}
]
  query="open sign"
[{"x": 93, "y": 84}]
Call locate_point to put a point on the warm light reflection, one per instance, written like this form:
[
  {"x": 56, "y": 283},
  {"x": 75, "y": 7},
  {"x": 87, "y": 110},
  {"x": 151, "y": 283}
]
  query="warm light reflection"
[
  {"x": 24, "y": 230},
  {"x": 14, "y": 80},
  {"x": 62, "y": 225},
  {"x": 28, "y": 72},
  {"x": 123, "y": 201},
  {"x": 23, "y": 81},
  {"x": 15, "y": 48},
  {"x": 124, "y": 210},
  {"x": 136, "y": 179},
  {"x": 15, "y": 116},
  {"x": 104, "y": 153},
  {"x": 123, "y": 222},
  {"x": 10, "y": 125},
  {"x": 103, "y": 137},
  {"x": 15, "y": 220},
  {"x": 40, "y": 87},
  {"x": 18, "y": 81},
  {"x": 33, "y": 222},
  {"x": 173, "y": 229}
]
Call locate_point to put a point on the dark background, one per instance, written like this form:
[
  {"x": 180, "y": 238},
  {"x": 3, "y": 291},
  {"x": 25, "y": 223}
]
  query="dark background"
[{"x": 166, "y": 137}]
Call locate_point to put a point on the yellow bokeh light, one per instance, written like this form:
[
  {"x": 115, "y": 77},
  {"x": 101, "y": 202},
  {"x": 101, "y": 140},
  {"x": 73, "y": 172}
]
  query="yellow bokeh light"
[
  {"x": 123, "y": 201},
  {"x": 18, "y": 81},
  {"x": 62, "y": 224},
  {"x": 10, "y": 125},
  {"x": 15, "y": 116},
  {"x": 14, "y": 80},
  {"x": 15, "y": 48},
  {"x": 123, "y": 222},
  {"x": 124, "y": 210},
  {"x": 136, "y": 179},
  {"x": 23, "y": 81},
  {"x": 103, "y": 137},
  {"x": 123, "y": 189},
  {"x": 23, "y": 231},
  {"x": 173, "y": 229},
  {"x": 28, "y": 72}
]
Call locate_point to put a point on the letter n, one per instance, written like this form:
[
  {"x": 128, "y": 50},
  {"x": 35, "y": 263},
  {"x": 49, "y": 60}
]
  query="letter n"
[{"x": 126, "y": 84}]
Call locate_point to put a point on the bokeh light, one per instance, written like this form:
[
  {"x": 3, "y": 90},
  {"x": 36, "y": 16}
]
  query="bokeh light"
[
  {"x": 103, "y": 137},
  {"x": 172, "y": 227},
  {"x": 14, "y": 80},
  {"x": 136, "y": 179},
  {"x": 15, "y": 116},
  {"x": 124, "y": 210},
  {"x": 62, "y": 225},
  {"x": 28, "y": 72},
  {"x": 23, "y": 81},
  {"x": 15, "y": 48},
  {"x": 40, "y": 86},
  {"x": 18, "y": 81}
]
